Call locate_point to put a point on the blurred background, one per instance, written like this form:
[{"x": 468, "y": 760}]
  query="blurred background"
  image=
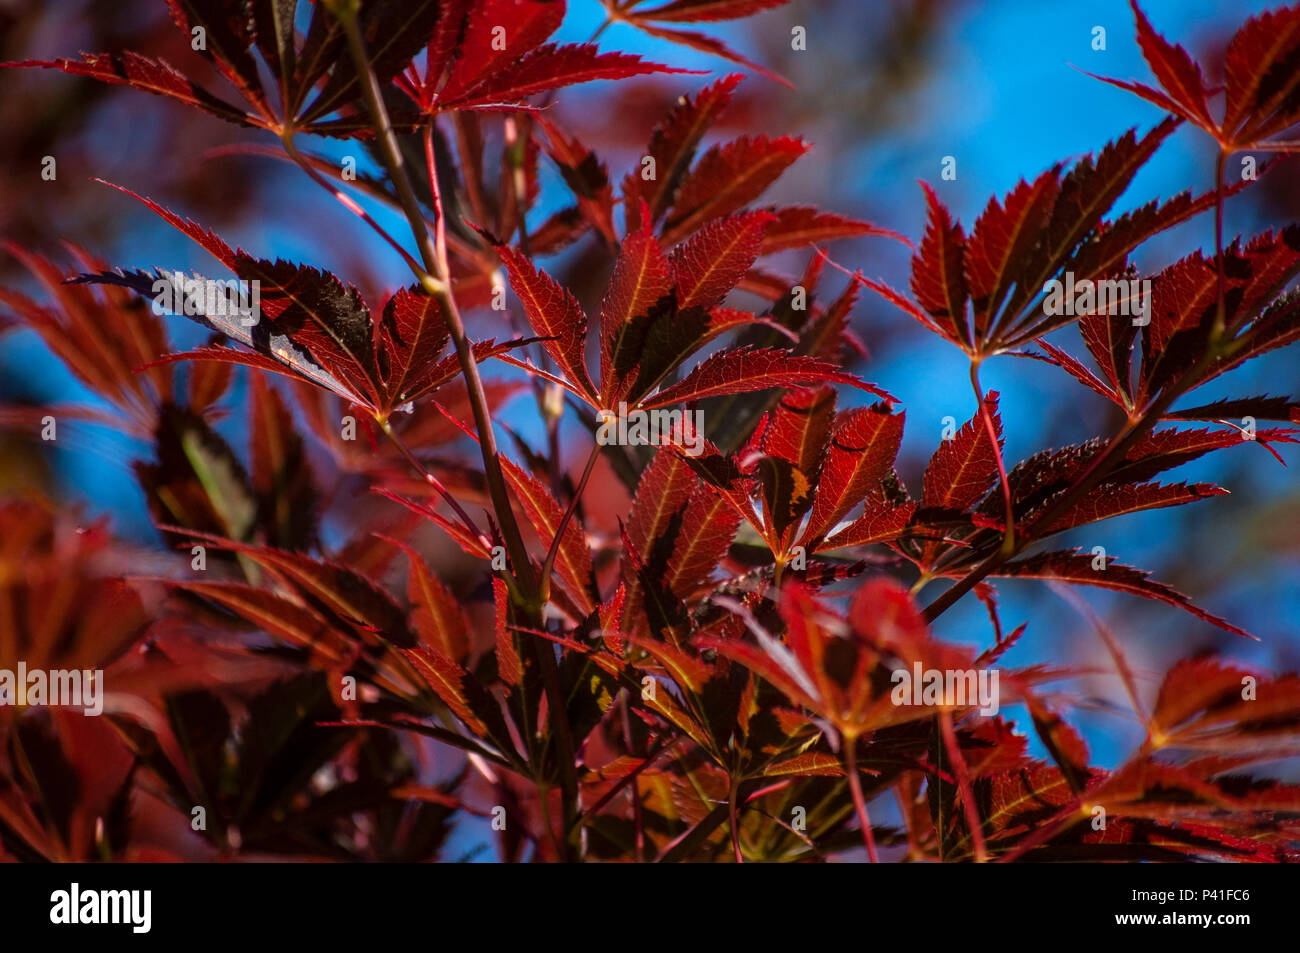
[{"x": 885, "y": 90}]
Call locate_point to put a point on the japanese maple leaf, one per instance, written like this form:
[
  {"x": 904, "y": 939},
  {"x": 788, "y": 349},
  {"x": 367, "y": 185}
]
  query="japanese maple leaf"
[
  {"x": 694, "y": 11},
  {"x": 659, "y": 310},
  {"x": 807, "y": 460},
  {"x": 1262, "y": 81},
  {"x": 312, "y": 79},
  {"x": 826, "y": 663},
  {"x": 492, "y": 54},
  {"x": 314, "y": 328},
  {"x": 985, "y": 292}
]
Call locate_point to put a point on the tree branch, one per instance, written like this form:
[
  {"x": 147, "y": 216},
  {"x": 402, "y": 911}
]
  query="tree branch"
[{"x": 436, "y": 280}]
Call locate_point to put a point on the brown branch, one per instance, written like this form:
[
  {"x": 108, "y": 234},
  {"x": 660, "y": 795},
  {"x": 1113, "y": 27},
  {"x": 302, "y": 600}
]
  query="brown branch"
[{"x": 437, "y": 282}]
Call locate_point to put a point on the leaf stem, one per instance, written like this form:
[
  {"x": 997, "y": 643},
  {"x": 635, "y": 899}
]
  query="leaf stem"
[
  {"x": 1096, "y": 471},
  {"x": 859, "y": 802},
  {"x": 548, "y": 565},
  {"x": 963, "y": 786},
  {"x": 433, "y": 481},
  {"x": 638, "y": 815},
  {"x": 592, "y": 812},
  {"x": 347, "y": 201},
  {"x": 734, "y": 817},
  {"x": 1221, "y": 313},
  {"x": 1009, "y": 539},
  {"x": 1062, "y": 819},
  {"x": 544, "y": 809}
]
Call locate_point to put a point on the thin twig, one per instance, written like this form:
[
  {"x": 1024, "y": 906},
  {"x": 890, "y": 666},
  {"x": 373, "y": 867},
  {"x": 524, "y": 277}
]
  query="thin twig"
[{"x": 544, "y": 655}]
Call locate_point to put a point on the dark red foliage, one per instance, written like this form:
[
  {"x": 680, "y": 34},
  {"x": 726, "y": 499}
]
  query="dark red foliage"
[{"x": 675, "y": 665}]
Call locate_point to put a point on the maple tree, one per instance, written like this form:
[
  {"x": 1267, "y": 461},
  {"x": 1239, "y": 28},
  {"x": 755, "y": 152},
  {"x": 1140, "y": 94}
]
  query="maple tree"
[{"x": 706, "y": 673}]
